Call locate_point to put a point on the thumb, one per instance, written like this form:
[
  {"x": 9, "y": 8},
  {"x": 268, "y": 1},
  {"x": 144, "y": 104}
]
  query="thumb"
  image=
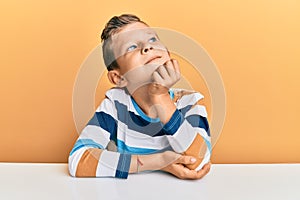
[{"x": 187, "y": 160}]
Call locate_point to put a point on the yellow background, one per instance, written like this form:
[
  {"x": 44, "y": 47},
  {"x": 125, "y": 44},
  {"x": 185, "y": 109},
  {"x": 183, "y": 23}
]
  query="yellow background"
[{"x": 255, "y": 45}]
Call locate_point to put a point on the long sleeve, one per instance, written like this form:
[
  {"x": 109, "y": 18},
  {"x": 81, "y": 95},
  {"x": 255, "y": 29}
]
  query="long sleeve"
[
  {"x": 90, "y": 156},
  {"x": 188, "y": 127}
]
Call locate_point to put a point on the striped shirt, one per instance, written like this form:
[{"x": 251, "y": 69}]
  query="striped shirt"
[{"x": 119, "y": 128}]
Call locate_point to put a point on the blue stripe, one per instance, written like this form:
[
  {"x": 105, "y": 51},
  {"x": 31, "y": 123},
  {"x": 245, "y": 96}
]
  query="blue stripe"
[
  {"x": 106, "y": 122},
  {"x": 136, "y": 122},
  {"x": 94, "y": 121},
  {"x": 185, "y": 109},
  {"x": 174, "y": 123},
  {"x": 123, "y": 166},
  {"x": 171, "y": 92},
  {"x": 199, "y": 121},
  {"x": 123, "y": 148},
  {"x": 208, "y": 145},
  {"x": 85, "y": 143}
]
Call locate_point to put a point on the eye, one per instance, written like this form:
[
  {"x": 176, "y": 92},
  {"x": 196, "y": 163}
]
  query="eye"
[
  {"x": 153, "y": 39},
  {"x": 132, "y": 47}
]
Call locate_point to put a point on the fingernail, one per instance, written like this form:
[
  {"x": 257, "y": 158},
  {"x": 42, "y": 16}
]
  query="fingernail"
[{"x": 193, "y": 160}]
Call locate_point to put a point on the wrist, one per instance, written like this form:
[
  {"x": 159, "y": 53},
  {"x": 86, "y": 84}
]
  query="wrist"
[
  {"x": 157, "y": 91},
  {"x": 158, "y": 98}
]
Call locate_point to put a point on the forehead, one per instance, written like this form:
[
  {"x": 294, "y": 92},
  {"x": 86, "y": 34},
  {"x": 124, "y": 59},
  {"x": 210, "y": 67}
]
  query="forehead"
[{"x": 132, "y": 32}]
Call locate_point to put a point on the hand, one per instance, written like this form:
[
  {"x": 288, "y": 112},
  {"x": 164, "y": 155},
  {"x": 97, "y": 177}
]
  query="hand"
[
  {"x": 164, "y": 77},
  {"x": 178, "y": 169}
]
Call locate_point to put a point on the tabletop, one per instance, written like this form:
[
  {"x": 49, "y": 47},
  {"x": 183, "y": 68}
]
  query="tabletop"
[{"x": 224, "y": 181}]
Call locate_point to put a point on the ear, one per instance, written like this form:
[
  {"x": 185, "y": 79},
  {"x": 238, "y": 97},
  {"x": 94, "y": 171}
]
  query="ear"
[{"x": 116, "y": 78}]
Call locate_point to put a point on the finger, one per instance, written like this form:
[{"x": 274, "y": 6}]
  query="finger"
[
  {"x": 206, "y": 167},
  {"x": 201, "y": 173},
  {"x": 189, "y": 174},
  {"x": 186, "y": 160},
  {"x": 209, "y": 166},
  {"x": 171, "y": 70},
  {"x": 186, "y": 173},
  {"x": 181, "y": 172},
  {"x": 157, "y": 78},
  {"x": 176, "y": 68},
  {"x": 163, "y": 72}
]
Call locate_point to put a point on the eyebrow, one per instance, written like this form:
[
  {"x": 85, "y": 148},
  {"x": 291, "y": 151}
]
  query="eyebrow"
[
  {"x": 151, "y": 32},
  {"x": 125, "y": 44}
]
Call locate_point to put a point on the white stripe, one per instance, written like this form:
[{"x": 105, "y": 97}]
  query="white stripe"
[
  {"x": 117, "y": 94},
  {"x": 122, "y": 97},
  {"x": 203, "y": 133},
  {"x": 108, "y": 163},
  {"x": 136, "y": 139},
  {"x": 197, "y": 110},
  {"x": 114, "y": 93},
  {"x": 204, "y": 161},
  {"x": 121, "y": 132},
  {"x": 207, "y": 155},
  {"x": 108, "y": 107},
  {"x": 189, "y": 99},
  {"x": 74, "y": 160},
  {"x": 95, "y": 133},
  {"x": 183, "y": 138}
]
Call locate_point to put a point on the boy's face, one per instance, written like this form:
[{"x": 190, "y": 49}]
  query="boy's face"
[{"x": 138, "y": 52}]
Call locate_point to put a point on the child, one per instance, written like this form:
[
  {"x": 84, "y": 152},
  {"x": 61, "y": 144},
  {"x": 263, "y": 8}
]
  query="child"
[{"x": 142, "y": 124}]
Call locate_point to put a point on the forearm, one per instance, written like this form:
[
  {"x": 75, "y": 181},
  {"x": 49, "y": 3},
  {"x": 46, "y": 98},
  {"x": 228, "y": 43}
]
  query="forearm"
[
  {"x": 152, "y": 162},
  {"x": 164, "y": 107},
  {"x": 146, "y": 162}
]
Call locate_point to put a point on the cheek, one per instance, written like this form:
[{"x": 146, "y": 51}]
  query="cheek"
[
  {"x": 139, "y": 75},
  {"x": 166, "y": 56},
  {"x": 128, "y": 62},
  {"x": 134, "y": 59},
  {"x": 164, "y": 52}
]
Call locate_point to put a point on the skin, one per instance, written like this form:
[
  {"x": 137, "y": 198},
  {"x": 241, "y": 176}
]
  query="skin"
[{"x": 147, "y": 71}]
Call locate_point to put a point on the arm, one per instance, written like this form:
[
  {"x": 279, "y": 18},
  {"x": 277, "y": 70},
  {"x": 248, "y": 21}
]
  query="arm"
[
  {"x": 89, "y": 156},
  {"x": 189, "y": 129},
  {"x": 170, "y": 162},
  {"x": 164, "y": 78},
  {"x": 97, "y": 162},
  {"x": 94, "y": 153}
]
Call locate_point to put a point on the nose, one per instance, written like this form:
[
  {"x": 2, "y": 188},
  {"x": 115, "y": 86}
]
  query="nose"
[{"x": 146, "y": 49}]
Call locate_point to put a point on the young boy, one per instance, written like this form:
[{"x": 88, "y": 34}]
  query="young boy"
[{"x": 142, "y": 124}]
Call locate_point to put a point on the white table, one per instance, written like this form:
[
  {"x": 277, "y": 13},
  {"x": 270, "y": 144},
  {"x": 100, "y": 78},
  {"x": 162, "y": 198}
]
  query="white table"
[{"x": 225, "y": 181}]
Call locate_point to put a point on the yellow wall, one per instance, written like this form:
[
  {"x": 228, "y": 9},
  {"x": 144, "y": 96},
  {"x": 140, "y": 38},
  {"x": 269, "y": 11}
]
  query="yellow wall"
[{"x": 255, "y": 44}]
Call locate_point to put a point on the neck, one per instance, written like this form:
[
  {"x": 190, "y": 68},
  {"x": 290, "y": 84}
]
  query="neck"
[
  {"x": 142, "y": 98},
  {"x": 155, "y": 106}
]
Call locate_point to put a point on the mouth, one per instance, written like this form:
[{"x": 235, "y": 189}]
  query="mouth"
[{"x": 152, "y": 59}]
